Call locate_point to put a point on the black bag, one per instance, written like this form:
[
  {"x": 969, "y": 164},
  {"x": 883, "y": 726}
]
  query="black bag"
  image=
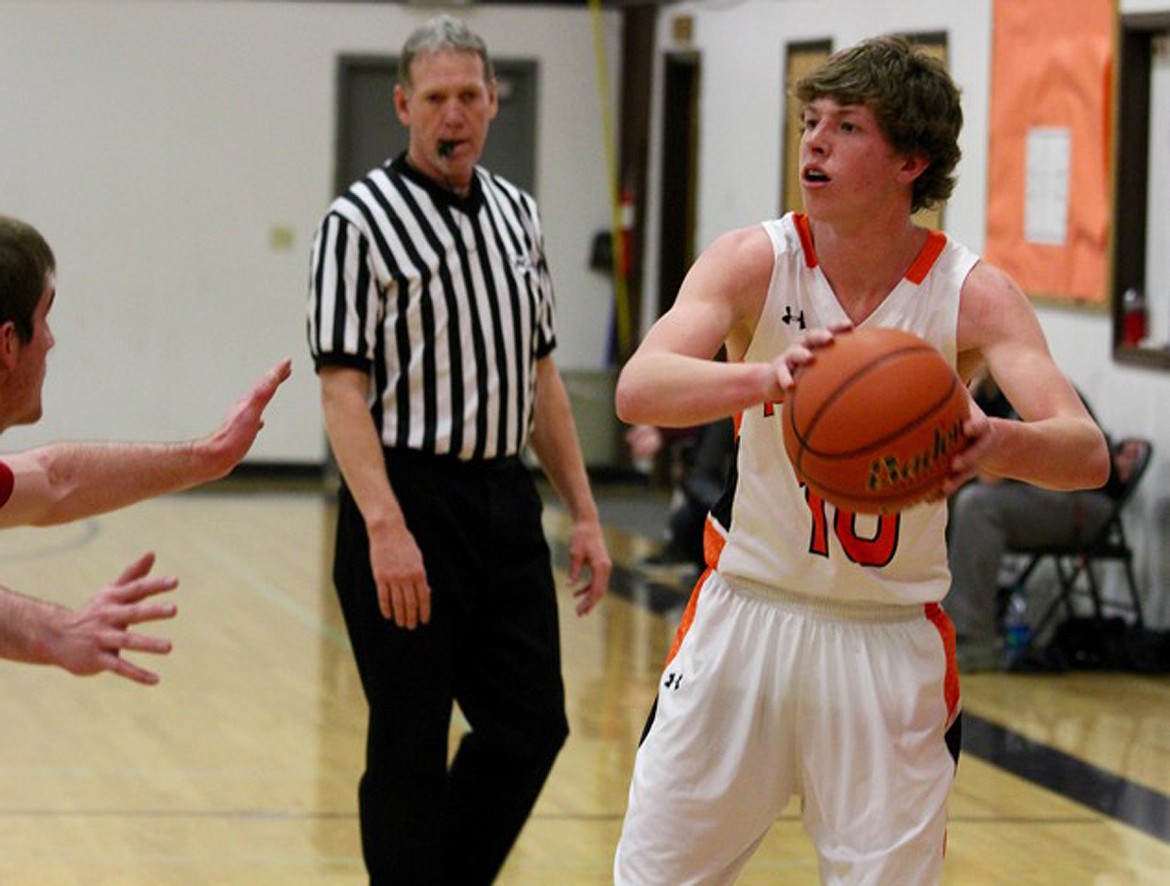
[
  {"x": 1091, "y": 644},
  {"x": 1149, "y": 651},
  {"x": 1098, "y": 644}
]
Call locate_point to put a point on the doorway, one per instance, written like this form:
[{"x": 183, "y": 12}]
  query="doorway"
[{"x": 680, "y": 138}]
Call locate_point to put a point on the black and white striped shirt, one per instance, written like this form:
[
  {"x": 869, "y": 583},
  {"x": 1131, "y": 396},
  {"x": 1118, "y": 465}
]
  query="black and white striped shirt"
[{"x": 447, "y": 303}]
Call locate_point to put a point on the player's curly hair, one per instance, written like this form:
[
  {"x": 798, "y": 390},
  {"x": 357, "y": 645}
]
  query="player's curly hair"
[
  {"x": 913, "y": 97},
  {"x": 26, "y": 261}
]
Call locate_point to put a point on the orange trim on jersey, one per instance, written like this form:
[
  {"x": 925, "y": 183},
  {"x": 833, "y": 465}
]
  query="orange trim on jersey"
[
  {"x": 688, "y": 618},
  {"x": 713, "y": 542},
  {"x": 946, "y": 630},
  {"x": 800, "y": 219},
  {"x": 927, "y": 256}
]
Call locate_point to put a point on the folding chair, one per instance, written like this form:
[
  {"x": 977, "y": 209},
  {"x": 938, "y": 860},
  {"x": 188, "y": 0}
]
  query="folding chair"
[{"x": 1075, "y": 562}]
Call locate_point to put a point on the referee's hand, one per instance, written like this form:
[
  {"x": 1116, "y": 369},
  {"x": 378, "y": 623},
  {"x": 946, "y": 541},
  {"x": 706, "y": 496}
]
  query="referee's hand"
[
  {"x": 404, "y": 595},
  {"x": 589, "y": 565}
]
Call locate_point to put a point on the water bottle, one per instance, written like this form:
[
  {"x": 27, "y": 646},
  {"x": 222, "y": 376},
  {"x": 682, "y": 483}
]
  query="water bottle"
[{"x": 1017, "y": 628}]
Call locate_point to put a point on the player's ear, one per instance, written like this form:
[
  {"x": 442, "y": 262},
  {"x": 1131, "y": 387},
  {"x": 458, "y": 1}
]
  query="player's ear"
[
  {"x": 913, "y": 165},
  {"x": 9, "y": 345}
]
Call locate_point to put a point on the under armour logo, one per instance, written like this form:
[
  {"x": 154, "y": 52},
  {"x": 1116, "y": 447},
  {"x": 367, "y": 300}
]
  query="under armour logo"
[
  {"x": 673, "y": 681},
  {"x": 789, "y": 318}
]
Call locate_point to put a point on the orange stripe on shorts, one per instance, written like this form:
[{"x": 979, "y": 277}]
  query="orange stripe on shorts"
[
  {"x": 688, "y": 616},
  {"x": 946, "y": 630}
]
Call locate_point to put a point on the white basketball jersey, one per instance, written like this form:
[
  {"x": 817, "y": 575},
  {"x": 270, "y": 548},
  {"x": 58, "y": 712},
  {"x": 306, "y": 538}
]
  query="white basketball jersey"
[{"x": 769, "y": 531}]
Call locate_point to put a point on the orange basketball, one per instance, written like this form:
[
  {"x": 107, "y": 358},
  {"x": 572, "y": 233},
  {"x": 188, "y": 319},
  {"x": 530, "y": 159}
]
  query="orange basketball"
[{"x": 872, "y": 423}]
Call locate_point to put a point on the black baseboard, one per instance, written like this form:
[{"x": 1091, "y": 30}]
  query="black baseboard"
[
  {"x": 604, "y": 475},
  {"x": 616, "y": 475},
  {"x": 599, "y": 475},
  {"x": 262, "y": 470}
]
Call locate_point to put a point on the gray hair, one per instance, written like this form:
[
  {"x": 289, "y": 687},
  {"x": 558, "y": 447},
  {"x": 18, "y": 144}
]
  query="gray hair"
[{"x": 442, "y": 32}]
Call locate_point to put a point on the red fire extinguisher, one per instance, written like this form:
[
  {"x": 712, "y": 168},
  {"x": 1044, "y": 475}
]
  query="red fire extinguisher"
[
  {"x": 626, "y": 234},
  {"x": 1133, "y": 317}
]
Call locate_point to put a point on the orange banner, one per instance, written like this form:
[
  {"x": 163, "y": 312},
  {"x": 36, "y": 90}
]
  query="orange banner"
[{"x": 1049, "y": 175}]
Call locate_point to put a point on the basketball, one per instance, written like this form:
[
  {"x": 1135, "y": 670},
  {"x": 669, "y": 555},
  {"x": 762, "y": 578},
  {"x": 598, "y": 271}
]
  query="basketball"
[{"x": 872, "y": 423}]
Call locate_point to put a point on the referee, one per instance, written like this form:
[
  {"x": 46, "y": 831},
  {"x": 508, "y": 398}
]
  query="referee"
[{"x": 431, "y": 326}]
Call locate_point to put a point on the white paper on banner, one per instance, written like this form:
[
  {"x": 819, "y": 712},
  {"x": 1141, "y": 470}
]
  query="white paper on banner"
[{"x": 1046, "y": 203}]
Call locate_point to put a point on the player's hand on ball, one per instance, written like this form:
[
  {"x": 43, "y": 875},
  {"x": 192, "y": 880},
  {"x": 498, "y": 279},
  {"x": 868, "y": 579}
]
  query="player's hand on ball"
[
  {"x": 980, "y": 433},
  {"x": 804, "y": 352},
  {"x": 873, "y": 424}
]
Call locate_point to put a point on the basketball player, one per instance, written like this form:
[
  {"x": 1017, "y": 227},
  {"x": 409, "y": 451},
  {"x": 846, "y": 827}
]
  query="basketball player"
[
  {"x": 806, "y": 665},
  {"x": 70, "y": 481}
]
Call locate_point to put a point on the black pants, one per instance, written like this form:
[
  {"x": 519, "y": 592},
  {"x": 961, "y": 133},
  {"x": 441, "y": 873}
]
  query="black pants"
[{"x": 492, "y": 645}]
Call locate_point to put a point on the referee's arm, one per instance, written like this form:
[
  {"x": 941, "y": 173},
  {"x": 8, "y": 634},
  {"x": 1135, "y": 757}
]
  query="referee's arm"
[
  {"x": 404, "y": 595},
  {"x": 554, "y": 440}
]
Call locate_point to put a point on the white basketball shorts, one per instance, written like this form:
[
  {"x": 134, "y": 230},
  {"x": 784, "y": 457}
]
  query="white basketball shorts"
[{"x": 845, "y": 706}]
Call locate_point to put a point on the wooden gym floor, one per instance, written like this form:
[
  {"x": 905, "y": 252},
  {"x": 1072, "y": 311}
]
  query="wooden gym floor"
[{"x": 241, "y": 767}]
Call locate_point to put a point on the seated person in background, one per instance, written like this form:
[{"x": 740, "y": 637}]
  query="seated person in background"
[
  {"x": 989, "y": 517},
  {"x": 705, "y": 458}
]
